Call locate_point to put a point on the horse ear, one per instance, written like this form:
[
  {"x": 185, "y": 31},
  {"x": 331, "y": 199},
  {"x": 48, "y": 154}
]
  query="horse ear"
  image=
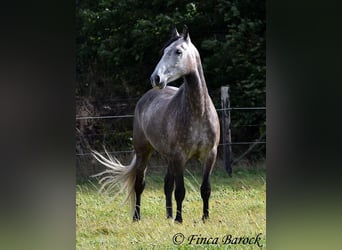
[
  {"x": 186, "y": 33},
  {"x": 174, "y": 33}
]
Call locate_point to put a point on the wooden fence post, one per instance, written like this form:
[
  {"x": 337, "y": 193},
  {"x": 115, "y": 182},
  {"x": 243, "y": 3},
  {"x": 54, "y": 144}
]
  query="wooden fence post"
[{"x": 226, "y": 137}]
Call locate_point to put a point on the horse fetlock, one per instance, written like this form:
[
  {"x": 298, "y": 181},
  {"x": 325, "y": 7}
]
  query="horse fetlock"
[{"x": 169, "y": 212}]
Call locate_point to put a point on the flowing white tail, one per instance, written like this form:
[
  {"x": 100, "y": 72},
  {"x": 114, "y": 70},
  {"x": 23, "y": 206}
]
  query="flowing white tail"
[{"x": 117, "y": 175}]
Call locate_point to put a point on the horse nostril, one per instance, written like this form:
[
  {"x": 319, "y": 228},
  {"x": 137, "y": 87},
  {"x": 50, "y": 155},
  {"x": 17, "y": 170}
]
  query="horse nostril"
[{"x": 155, "y": 80}]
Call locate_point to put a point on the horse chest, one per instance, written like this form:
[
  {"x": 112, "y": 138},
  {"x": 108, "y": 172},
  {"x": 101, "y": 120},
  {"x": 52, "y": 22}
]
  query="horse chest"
[{"x": 197, "y": 133}]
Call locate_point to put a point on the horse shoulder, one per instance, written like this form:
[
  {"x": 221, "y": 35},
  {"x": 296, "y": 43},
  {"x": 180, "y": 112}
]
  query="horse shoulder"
[{"x": 151, "y": 113}]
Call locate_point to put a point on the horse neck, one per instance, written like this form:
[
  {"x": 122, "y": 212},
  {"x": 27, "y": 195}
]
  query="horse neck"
[{"x": 196, "y": 92}]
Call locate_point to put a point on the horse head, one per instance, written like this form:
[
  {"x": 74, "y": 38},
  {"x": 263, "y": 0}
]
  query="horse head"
[{"x": 179, "y": 59}]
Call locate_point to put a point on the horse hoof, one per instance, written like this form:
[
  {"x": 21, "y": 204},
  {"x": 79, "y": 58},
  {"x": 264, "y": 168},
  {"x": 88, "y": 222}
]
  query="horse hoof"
[
  {"x": 205, "y": 218},
  {"x": 178, "y": 220},
  {"x": 136, "y": 219}
]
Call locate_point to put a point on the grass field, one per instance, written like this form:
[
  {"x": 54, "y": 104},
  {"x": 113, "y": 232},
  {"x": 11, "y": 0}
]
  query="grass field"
[{"x": 237, "y": 209}]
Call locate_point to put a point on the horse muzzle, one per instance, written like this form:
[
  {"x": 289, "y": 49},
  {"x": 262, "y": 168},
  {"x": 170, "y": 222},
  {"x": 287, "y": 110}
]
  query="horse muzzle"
[{"x": 155, "y": 81}]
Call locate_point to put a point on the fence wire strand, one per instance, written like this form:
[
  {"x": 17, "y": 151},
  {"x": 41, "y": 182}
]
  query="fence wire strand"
[
  {"x": 253, "y": 143},
  {"x": 130, "y": 116}
]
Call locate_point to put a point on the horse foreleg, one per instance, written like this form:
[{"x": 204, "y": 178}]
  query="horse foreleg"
[
  {"x": 169, "y": 181},
  {"x": 205, "y": 187},
  {"x": 205, "y": 194},
  {"x": 179, "y": 196}
]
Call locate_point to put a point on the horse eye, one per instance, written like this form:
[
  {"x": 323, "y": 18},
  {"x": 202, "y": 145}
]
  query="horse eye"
[{"x": 178, "y": 52}]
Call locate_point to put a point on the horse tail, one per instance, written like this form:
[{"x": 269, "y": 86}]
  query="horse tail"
[{"x": 118, "y": 176}]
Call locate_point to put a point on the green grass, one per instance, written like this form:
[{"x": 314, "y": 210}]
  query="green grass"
[{"x": 237, "y": 208}]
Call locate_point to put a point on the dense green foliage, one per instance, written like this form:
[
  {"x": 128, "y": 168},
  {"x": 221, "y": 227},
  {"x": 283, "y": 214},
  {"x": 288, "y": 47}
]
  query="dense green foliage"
[{"x": 119, "y": 43}]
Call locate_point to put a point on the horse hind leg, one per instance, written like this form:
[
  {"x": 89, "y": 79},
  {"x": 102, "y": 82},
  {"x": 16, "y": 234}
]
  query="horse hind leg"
[
  {"x": 142, "y": 159},
  {"x": 206, "y": 187}
]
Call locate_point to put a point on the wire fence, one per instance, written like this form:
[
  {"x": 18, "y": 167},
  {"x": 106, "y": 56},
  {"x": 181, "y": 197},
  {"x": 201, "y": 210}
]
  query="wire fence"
[
  {"x": 92, "y": 130},
  {"x": 131, "y": 116}
]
